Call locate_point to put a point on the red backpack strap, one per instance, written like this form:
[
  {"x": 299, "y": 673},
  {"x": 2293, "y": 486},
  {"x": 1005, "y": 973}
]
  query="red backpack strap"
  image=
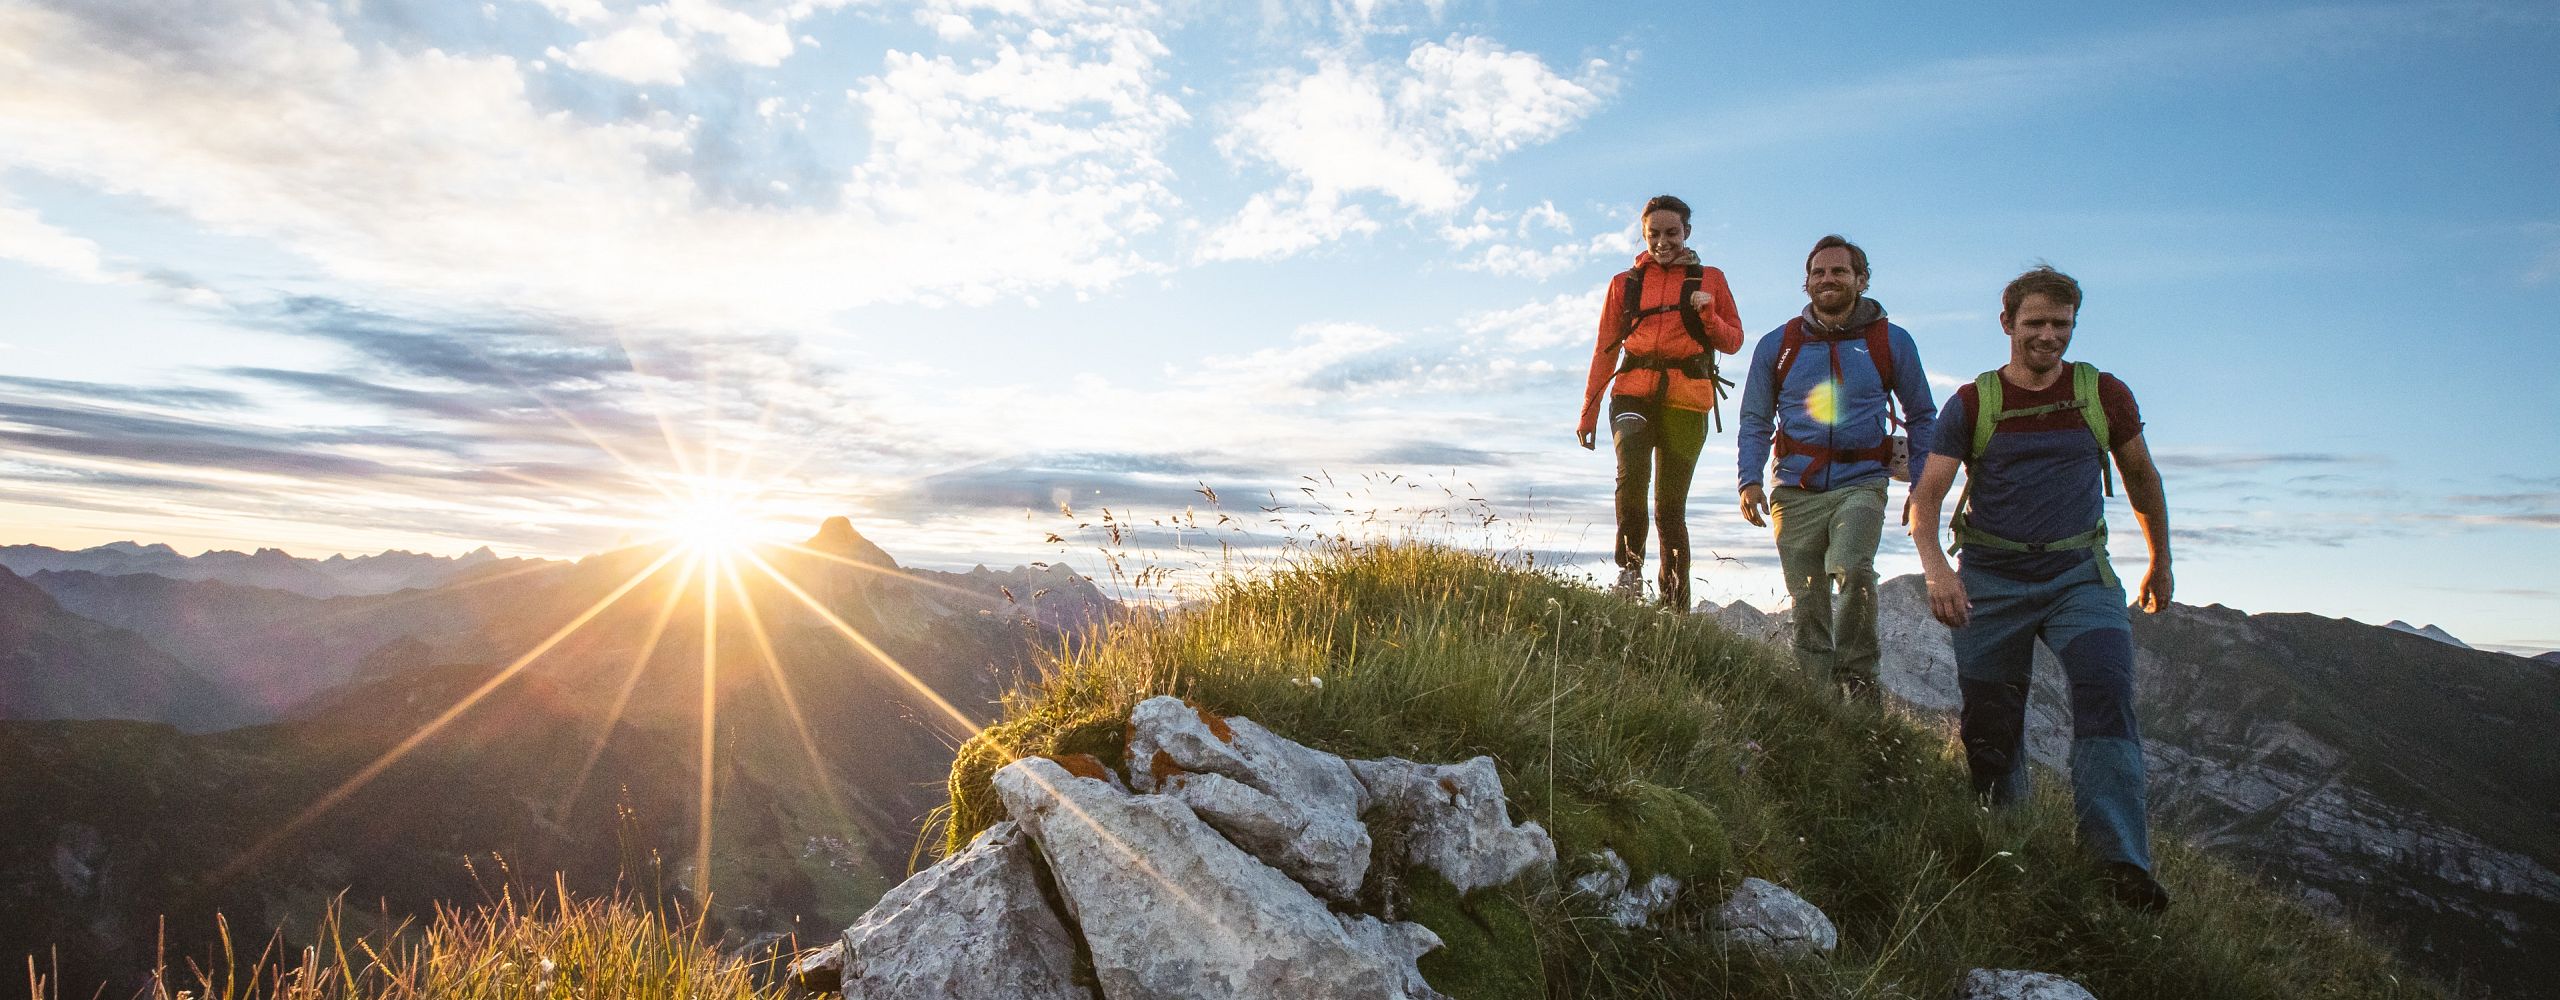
[
  {"x": 1880, "y": 348},
  {"x": 1789, "y": 342}
]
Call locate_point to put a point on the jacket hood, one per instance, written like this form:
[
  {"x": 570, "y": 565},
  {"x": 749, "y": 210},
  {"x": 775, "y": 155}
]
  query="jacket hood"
[
  {"x": 1688, "y": 256},
  {"x": 1867, "y": 311}
]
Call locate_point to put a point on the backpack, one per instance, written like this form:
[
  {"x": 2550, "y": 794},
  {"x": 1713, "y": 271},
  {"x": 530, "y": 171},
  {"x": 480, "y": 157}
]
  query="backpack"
[
  {"x": 1987, "y": 417},
  {"x": 1700, "y": 366},
  {"x": 1893, "y": 451}
]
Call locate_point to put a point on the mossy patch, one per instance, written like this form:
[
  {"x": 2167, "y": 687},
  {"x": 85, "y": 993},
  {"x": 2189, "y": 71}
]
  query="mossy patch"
[
  {"x": 1094, "y": 734},
  {"x": 1488, "y": 945},
  {"x": 1655, "y": 830}
]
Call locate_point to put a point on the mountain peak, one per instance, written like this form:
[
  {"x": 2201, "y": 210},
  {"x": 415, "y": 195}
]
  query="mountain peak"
[
  {"x": 2429, "y": 632},
  {"x": 836, "y": 537},
  {"x": 136, "y": 549}
]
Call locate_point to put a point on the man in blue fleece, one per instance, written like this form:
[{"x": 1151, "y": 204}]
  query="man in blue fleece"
[
  {"x": 1821, "y": 389},
  {"x": 2034, "y": 436}
]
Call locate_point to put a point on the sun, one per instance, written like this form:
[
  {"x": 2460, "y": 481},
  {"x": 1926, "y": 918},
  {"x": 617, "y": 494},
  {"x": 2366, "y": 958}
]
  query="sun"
[{"x": 712, "y": 518}]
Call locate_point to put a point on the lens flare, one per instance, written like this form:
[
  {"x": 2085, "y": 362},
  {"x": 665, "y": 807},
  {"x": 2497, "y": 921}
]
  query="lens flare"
[{"x": 1823, "y": 403}]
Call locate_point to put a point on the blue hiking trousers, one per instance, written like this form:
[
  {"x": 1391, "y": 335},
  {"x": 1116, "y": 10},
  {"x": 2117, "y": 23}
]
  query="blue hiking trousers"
[{"x": 2083, "y": 619}]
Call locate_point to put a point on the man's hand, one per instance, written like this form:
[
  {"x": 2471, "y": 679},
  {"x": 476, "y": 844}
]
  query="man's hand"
[
  {"x": 2155, "y": 588},
  {"x": 1701, "y": 300},
  {"x": 1947, "y": 600},
  {"x": 1754, "y": 505},
  {"x": 1589, "y": 439}
]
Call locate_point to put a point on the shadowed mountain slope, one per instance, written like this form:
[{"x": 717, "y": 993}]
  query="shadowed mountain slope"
[
  {"x": 807, "y": 691},
  {"x": 58, "y": 665}
]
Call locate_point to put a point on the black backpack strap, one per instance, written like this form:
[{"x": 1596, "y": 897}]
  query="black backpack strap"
[
  {"x": 1630, "y": 305},
  {"x": 1690, "y": 316}
]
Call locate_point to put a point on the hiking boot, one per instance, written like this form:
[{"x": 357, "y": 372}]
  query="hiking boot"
[
  {"x": 2135, "y": 888},
  {"x": 1858, "y": 689},
  {"x": 1630, "y": 582}
]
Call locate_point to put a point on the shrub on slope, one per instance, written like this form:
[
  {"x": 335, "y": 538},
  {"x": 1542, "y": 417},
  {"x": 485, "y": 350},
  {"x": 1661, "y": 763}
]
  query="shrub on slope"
[{"x": 1688, "y": 751}]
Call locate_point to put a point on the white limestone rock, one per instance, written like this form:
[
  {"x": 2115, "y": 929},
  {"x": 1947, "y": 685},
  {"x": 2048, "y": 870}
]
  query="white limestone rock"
[
  {"x": 1452, "y": 819},
  {"x": 1767, "y": 920},
  {"x": 2014, "y": 984},
  {"x": 1188, "y": 738},
  {"x": 1328, "y": 853},
  {"x": 974, "y": 925},
  {"x": 1627, "y": 907},
  {"x": 1170, "y": 909},
  {"x": 1296, "y": 808}
]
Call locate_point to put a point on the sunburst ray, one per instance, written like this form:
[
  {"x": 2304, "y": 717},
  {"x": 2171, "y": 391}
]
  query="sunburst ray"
[
  {"x": 968, "y": 726},
  {"x": 782, "y": 687},
  {"x": 353, "y": 784},
  {"x": 630, "y": 682}
]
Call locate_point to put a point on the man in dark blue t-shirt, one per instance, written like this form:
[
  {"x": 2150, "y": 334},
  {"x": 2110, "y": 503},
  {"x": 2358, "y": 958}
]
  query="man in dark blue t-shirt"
[{"x": 2033, "y": 534}]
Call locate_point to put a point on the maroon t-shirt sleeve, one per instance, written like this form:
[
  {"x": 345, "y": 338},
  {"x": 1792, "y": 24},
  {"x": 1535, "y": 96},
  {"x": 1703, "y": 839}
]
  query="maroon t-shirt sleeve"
[{"x": 2124, "y": 418}]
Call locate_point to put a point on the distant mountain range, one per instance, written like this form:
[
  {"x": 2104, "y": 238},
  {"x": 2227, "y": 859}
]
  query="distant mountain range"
[
  {"x": 2385, "y": 773},
  {"x": 2430, "y": 632},
  {"x": 827, "y": 757},
  {"x": 273, "y": 569}
]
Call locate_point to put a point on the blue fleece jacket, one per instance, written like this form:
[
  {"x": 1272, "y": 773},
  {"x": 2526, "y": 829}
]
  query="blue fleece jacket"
[{"x": 1856, "y": 404}]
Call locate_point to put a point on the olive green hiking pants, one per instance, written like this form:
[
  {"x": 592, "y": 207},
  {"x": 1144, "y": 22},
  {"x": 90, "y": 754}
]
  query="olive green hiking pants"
[{"x": 1826, "y": 540}]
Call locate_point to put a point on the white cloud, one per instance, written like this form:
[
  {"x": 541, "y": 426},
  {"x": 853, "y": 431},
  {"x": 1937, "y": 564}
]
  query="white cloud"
[
  {"x": 1276, "y": 224},
  {"x": 27, "y": 239},
  {"x": 641, "y": 53},
  {"x": 660, "y": 43},
  {"x": 1515, "y": 261},
  {"x": 1414, "y": 134},
  {"x": 1512, "y": 248},
  {"x": 1565, "y": 320},
  {"x": 430, "y": 177}
]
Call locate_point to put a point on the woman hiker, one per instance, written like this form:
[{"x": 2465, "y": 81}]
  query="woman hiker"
[{"x": 1661, "y": 325}]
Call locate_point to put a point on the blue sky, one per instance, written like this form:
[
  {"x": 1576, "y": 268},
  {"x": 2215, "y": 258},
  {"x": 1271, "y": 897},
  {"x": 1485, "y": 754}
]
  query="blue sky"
[{"x": 345, "y": 277}]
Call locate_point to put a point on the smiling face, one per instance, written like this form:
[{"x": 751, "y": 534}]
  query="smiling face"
[
  {"x": 2039, "y": 331},
  {"x": 1832, "y": 282},
  {"x": 1665, "y": 235}
]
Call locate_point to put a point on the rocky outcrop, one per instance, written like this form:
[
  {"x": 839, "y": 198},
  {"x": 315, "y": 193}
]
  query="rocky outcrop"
[
  {"x": 975, "y": 925},
  {"x": 2013, "y": 984},
  {"x": 1297, "y": 807},
  {"x": 1229, "y": 862},
  {"x": 1625, "y": 905},
  {"x": 1452, "y": 819},
  {"x": 1170, "y": 908},
  {"x": 1768, "y": 920}
]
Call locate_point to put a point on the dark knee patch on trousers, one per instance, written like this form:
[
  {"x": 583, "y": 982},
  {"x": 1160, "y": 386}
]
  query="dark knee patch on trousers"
[
  {"x": 2100, "y": 667},
  {"x": 1994, "y": 725}
]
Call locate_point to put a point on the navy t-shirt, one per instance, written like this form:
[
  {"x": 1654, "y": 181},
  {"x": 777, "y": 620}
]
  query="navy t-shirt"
[{"x": 2040, "y": 480}]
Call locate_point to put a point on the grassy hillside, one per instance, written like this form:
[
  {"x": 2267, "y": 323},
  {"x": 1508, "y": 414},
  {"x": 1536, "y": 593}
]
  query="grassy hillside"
[
  {"x": 1688, "y": 751},
  {"x": 1685, "y": 749}
]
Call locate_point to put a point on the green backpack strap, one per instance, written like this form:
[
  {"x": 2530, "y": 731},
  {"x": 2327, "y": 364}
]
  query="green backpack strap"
[
  {"x": 2084, "y": 390},
  {"x": 1987, "y": 415},
  {"x": 1986, "y": 410}
]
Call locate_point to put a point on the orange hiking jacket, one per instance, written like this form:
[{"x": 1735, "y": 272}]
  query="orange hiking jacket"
[{"x": 1661, "y": 335}]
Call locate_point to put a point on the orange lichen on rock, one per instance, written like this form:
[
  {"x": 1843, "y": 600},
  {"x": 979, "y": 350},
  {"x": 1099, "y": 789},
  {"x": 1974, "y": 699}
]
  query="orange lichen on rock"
[
  {"x": 1163, "y": 767},
  {"x": 1217, "y": 727},
  {"x": 1083, "y": 765},
  {"x": 1449, "y": 785}
]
